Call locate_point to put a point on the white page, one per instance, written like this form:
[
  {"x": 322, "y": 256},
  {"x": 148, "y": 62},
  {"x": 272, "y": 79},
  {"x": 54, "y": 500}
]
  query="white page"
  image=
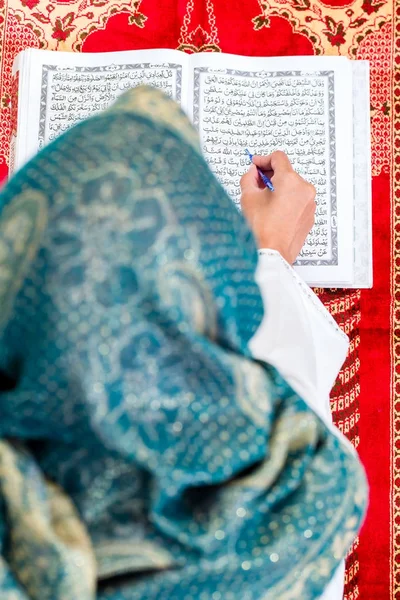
[
  {"x": 363, "y": 276},
  {"x": 63, "y": 88},
  {"x": 237, "y": 103}
]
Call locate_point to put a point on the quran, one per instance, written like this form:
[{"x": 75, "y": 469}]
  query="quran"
[{"x": 314, "y": 108}]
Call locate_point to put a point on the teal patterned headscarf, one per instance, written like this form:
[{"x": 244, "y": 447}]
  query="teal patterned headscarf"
[{"x": 144, "y": 455}]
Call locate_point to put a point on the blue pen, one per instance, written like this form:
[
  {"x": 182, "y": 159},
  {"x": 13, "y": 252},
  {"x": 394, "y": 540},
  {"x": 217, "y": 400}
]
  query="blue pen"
[{"x": 266, "y": 180}]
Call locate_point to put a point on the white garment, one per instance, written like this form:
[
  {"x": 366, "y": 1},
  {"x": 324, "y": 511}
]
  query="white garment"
[{"x": 300, "y": 338}]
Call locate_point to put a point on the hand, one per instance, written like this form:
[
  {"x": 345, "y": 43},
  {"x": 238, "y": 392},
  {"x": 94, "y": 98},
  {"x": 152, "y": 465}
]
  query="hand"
[{"x": 280, "y": 220}]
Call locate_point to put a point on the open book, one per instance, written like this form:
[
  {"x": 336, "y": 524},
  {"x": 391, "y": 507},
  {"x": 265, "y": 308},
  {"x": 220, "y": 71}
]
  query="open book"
[{"x": 316, "y": 109}]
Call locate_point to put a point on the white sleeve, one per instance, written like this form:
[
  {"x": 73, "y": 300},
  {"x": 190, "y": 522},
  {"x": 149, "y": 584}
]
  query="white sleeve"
[{"x": 298, "y": 336}]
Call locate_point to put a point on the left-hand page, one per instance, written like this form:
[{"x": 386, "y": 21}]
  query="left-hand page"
[{"x": 59, "y": 89}]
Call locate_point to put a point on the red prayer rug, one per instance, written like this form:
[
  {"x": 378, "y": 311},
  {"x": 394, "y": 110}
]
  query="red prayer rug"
[{"x": 366, "y": 397}]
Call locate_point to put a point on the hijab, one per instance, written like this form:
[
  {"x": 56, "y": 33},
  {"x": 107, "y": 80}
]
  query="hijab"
[{"x": 143, "y": 452}]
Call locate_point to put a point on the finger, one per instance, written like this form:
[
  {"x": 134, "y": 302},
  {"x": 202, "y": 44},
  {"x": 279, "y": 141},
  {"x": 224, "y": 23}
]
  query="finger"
[
  {"x": 278, "y": 162},
  {"x": 251, "y": 179},
  {"x": 269, "y": 174}
]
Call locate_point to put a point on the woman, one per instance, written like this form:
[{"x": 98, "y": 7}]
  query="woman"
[{"x": 145, "y": 453}]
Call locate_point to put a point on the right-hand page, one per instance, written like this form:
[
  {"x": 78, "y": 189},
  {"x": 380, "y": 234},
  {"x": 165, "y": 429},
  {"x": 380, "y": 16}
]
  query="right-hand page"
[{"x": 301, "y": 105}]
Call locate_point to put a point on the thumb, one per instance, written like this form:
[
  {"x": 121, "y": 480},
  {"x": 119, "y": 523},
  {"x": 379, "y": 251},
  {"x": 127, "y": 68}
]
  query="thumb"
[{"x": 250, "y": 180}]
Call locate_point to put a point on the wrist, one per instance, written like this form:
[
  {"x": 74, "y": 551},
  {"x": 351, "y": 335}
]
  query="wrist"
[{"x": 265, "y": 243}]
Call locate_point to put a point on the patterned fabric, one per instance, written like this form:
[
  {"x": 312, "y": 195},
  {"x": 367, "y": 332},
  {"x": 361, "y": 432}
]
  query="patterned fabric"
[
  {"x": 141, "y": 445},
  {"x": 365, "y": 399}
]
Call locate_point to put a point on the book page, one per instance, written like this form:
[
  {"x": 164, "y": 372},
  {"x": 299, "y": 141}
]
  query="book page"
[
  {"x": 64, "y": 87},
  {"x": 301, "y": 105},
  {"x": 363, "y": 276}
]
